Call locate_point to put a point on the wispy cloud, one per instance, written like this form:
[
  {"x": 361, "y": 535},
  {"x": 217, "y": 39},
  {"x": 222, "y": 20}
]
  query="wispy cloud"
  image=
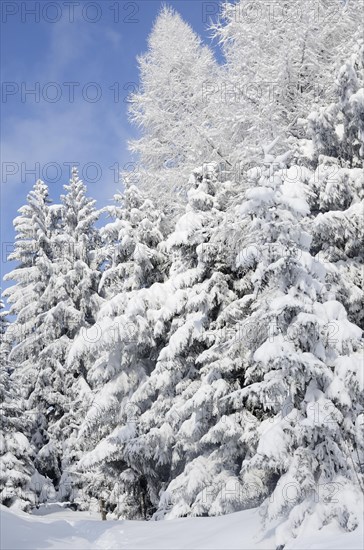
[{"x": 37, "y": 135}]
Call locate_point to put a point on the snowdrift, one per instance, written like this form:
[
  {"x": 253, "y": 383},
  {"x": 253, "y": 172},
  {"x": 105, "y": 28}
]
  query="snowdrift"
[{"x": 62, "y": 528}]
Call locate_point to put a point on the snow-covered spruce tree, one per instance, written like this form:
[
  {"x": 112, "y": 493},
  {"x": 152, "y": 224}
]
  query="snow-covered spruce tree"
[
  {"x": 70, "y": 303},
  {"x": 173, "y": 413},
  {"x": 337, "y": 129},
  {"x": 24, "y": 337},
  {"x": 337, "y": 229},
  {"x": 119, "y": 351},
  {"x": 32, "y": 252},
  {"x": 279, "y": 62},
  {"x": 207, "y": 434},
  {"x": 302, "y": 385},
  {"x": 337, "y": 186},
  {"x": 129, "y": 244},
  {"x": 170, "y": 108},
  {"x": 16, "y": 455},
  {"x": 141, "y": 435}
]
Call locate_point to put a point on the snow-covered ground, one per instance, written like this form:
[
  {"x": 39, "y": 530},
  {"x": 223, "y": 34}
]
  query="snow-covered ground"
[{"x": 64, "y": 529}]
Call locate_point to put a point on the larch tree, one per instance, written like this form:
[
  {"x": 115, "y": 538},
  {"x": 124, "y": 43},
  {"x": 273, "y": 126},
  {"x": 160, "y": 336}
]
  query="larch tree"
[
  {"x": 279, "y": 62},
  {"x": 171, "y": 110}
]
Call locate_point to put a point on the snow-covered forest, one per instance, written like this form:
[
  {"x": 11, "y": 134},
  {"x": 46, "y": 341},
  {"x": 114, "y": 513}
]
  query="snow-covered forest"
[{"x": 195, "y": 348}]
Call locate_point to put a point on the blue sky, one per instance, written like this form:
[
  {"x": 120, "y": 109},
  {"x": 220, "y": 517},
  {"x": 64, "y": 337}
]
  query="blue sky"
[{"x": 80, "y": 58}]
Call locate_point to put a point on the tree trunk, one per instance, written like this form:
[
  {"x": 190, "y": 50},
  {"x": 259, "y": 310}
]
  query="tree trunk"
[{"x": 102, "y": 509}]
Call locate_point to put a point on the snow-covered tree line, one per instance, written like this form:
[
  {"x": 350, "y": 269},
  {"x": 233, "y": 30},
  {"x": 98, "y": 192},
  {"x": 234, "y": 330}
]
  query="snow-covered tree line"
[{"x": 201, "y": 352}]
